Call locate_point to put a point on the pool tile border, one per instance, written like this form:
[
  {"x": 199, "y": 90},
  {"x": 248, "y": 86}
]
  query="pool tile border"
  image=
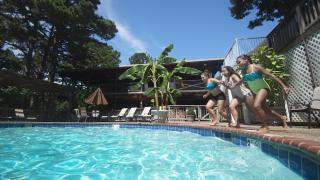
[{"x": 301, "y": 156}]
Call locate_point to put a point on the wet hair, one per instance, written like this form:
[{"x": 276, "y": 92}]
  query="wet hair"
[
  {"x": 245, "y": 57},
  {"x": 206, "y": 73},
  {"x": 231, "y": 71}
]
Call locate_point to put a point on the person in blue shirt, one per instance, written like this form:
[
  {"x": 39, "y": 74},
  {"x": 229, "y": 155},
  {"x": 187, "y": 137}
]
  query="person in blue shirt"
[{"x": 214, "y": 95}]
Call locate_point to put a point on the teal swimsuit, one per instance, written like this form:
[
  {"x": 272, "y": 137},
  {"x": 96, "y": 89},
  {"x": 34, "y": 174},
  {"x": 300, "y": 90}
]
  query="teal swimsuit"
[
  {"x": 252, "y": 76},
  {"x": 255, "y": 81},
  {"x": 211, "y": 86}
]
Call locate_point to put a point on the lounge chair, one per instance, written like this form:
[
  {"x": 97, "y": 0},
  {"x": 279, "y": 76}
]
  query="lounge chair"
[
  {"x": 19, "y": 113},
  {"x": 83, "y": 114},
  {"x": 4, "y": 117},
  {"x": 145, "y": 114},
  {"x": 310, "y": 108},
  {"x": 131, "y": 113},
  {"x": 120, "y": 115},
  {"x": 104, "y": 117}
]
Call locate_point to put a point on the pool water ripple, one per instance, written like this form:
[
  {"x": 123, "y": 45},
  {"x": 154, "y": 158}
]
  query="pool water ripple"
[{"x": 106, "y": 153}]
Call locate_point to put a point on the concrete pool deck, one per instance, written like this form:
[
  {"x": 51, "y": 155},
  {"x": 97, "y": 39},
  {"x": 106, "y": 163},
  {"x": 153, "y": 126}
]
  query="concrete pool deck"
[
  {"x": 295, "y": 132},
  {"x": 299, "y": 137}
]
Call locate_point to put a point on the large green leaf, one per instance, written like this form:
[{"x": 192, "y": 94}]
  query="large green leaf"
[
  {"x": 166, "y": 51},
  {"x": 133, "y": 73},
  {"x": 145, "y": 74},
  {"x": 150, "y": 92},
  {"x": 187, "y": 70}
]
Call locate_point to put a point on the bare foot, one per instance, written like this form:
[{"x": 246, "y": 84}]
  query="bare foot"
[
  {"x": 233, "y": 124},
  {"x": 263, "y": 129},
  {"x": 237, "y": 126},
  {"x": 214, "y": 123},
  {"x": 284, "y": 121}
]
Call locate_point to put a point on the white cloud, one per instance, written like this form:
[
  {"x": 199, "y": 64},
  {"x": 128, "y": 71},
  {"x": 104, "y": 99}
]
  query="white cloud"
[
  {"x": 124, "y": 32},
  {"x": 128, "y": 37}
]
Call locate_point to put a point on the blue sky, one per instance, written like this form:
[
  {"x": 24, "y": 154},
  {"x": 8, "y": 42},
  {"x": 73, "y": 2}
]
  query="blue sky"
[{"x": 198, "y": 29}]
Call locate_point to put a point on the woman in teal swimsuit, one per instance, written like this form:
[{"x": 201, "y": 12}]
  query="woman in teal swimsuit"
[
  {"x": 215, "y": 96},
  {"x": 252, "y": 75}
]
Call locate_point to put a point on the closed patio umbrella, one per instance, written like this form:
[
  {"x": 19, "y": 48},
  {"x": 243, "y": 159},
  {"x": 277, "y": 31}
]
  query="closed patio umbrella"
[{"x": 96, "y": 98}]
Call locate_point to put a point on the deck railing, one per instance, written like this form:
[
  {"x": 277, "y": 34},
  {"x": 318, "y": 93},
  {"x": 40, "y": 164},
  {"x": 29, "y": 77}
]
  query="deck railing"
[
  {"x": 305, "y": 15},
  {"x": 179, "y": 112}
]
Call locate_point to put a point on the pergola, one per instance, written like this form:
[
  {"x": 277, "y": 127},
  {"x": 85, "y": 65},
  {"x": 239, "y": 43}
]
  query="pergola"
[
  {"x": 8, "y": 78},
  {"x": 40, "y": 89}
]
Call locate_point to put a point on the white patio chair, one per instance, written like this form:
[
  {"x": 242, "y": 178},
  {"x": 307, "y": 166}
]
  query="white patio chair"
[
  {"x": 131, "y": 113},
  {"x": 19, "y": 113},
  {"x": 145, "y": 113},
  {"x": 120, "y": 115}
]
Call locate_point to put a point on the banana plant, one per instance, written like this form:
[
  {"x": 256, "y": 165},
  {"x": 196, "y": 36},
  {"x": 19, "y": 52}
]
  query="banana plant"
[
  {"x": 169, "y": 94},
  {"x": 155, "y": 71}
]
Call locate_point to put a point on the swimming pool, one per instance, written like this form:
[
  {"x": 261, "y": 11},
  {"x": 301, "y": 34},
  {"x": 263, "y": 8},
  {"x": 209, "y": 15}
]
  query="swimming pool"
[{"x": 130, "y": 153}]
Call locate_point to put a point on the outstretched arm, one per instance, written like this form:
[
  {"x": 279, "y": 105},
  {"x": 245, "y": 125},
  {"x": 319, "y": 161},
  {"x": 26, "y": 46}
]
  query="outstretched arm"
[
  {"x": 214, "y": 80},
  {"x": 273, "y": 77}
]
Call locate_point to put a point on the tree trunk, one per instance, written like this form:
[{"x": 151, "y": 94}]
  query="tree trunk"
[
  {"x": 154, "y": 80},
  {"x": 156, "y": 95},
  {"x": 53, "y": 61},
  {"x": 46, "y": 54},
  {"x": 28, "y": 60}
]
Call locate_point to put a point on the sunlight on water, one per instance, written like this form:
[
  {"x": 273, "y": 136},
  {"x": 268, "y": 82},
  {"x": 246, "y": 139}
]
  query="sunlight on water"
[
  {"x": 105, "y": 153},
  {"x": 115, "y": 126}
]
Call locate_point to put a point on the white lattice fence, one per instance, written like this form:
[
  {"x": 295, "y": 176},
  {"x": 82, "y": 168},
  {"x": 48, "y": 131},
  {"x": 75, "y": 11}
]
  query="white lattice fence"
[
  {"x": 303, "y": 62},
  {"x": 313, "y": 50}
]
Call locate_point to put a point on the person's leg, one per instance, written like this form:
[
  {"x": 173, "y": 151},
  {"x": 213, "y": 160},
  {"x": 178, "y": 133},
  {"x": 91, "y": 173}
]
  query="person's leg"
[
  {"x": 209, "y": 106},
  {"x": 233, "y": 108},
  {"x": 258, "y": 106},
  {"x": 221, "y": 109},
  {"x": 249, "y": 101},
  {"x": 275, "y": 115}
]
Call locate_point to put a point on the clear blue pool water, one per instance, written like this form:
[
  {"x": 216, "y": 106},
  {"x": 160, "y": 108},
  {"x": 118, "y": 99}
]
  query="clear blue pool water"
[{"x": 106, "y": 153}]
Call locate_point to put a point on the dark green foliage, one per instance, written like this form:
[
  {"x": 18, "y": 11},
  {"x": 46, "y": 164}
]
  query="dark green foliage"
[
  {"x": 38, "y": 38},
  {"x": 48, "y": 36},
  {"x": 139, "y": 58},
  {"x": 13, "y": 97},
  {"x": 9, "y": 61},
  {"x": 265, "y": 10},
  {"x": 93, "y": 55},
  {"x": 190, "y": 111}
]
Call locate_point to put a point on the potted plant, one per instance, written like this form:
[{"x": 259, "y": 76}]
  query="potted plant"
[{"x": 191, "y": 114}]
